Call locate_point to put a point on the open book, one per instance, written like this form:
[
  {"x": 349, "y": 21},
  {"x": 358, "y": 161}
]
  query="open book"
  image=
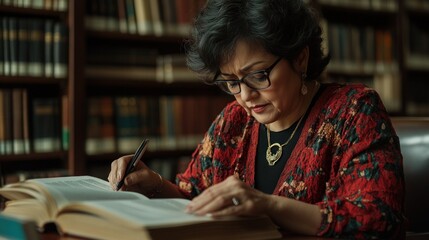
[{"x": 87, "y": 206}]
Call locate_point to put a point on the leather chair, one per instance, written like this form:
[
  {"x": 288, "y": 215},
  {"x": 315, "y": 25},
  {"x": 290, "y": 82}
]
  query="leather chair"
[{"x": 414, "y": 140}]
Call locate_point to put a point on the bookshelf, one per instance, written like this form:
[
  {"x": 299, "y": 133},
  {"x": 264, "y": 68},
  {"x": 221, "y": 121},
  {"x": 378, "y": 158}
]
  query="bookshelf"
[
  {"x": 33, "y": 72},
  {"x": 382, "y": 44},
  {"x": 116, "y": 53}
]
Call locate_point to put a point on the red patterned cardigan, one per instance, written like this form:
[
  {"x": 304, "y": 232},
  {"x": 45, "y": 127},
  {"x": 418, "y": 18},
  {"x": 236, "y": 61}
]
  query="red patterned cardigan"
[{"x": 347, "y": 161}]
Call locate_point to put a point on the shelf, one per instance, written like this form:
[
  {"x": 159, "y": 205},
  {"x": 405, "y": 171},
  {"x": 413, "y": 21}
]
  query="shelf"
[
  {"x": 117, "y": 86},
  {"x": 32, "y": 157},
  {"x": 356, "y": 10},
  {"x": 28, "y": 12},
  {"x": 29, "y": 81},
  {"x": 364, "y": 69},
  {"x": 416, "y": 8},
  {"x": 108, "y": 157},
  {"x": 118, "y": 36},
  {"x": 367, "y": 6},
  {"x": 417, "y": 63}
]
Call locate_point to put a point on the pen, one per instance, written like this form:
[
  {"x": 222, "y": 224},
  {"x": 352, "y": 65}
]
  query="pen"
[{"x": 131, "y": 165}]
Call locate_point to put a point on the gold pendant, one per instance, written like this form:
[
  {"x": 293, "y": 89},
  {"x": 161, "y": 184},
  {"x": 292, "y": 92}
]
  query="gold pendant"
[{"x": 272, "y": 159}]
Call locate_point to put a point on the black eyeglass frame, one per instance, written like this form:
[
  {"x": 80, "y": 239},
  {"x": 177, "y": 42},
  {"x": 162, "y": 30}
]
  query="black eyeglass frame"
[{"x": 266, "y": 72}]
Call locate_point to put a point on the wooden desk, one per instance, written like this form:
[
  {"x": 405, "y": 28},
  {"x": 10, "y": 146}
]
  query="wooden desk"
[
  {"x": 416, "y": 236},
  {"x": 54, "y": 236}
]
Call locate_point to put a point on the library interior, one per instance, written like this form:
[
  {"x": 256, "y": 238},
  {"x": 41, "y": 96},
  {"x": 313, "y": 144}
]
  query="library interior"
[{"x": 83, "y": 82}]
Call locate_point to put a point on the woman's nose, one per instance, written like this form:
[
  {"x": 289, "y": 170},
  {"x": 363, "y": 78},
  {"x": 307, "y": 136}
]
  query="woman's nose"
[{"x": 246, "y": 92}]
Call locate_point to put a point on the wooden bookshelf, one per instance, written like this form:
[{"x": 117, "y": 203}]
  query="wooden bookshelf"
[
  {"x": 401, "y": 20},
  {"x": 28, "y": 32},
  {"x": 350, "y": 24},
  {"x": 113, "y": 40}
]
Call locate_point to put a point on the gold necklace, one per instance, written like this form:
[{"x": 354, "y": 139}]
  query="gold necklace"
[{"x": 273, "y": 158}]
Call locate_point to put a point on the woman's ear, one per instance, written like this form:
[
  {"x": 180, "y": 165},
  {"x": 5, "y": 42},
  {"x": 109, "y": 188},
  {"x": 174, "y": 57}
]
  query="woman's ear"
[{"x": 301, "y": 62}]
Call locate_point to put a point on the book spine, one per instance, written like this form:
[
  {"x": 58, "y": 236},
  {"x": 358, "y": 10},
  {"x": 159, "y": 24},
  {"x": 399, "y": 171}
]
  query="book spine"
[
  {"x": 1, "y": 48},
  {"x": 48, "y": 46},
  {"x": 35, "y": 65},
  {"x": 18, "y": 122},
  {"x": 2, "y": 124},
  {"x": 169, "y": 16},
  {"x": 22, "y": 47},
  {"x": 143, "y": 17},
  {"x": 183, "y": 16},
  {"x": 93, "y": 126},
  {"x": 8, "y": 121},
  {"x": 122, "y": 17},
  {"x": 65, "y": 133},
  {"x": 6, "y": 47},
  {"x": 13, "y": 45},
  {"x": 37, "y": 4},
  {"x": 46, "y": 132},
  {"x": 101, "y": 129},
  {"x": 60, "y": 50},
  {"x": 107, "y": 125},
  {"x": 112, "y": 17},
  {"x": 131, "y": 16},
  {"x": 95, "y": 18},
  {"x": 25, "y": 117},
  {"x": 127, "y": 124},
  {"x": 62, "y": 5},
  {"x": 156, "y": 14}
]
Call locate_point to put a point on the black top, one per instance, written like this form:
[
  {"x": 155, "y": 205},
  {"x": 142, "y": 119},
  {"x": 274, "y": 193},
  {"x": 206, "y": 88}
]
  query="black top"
[{"x": 266, "y": 176}]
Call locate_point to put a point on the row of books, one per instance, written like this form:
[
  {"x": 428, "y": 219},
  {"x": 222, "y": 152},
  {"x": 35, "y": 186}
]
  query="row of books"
[
  {"x": 117, "y": 124},
  {"x": 13, "y": 177},
  {"x": 55, "y": 5},
  {"x": 159, "y": 17},
  {"x": 169, "y": 167},
  {"x": 387, "y": 85},
  {"x": 138, "y": 64},
  {"x": 418, "y": 37},
  {"x": 360, "y": 49},
  {"x": 417, "y": 4},
  {"x": 33, "y": 47},
  {"x": 389, "y": 5},
  {"x": 28, "y": 126}
]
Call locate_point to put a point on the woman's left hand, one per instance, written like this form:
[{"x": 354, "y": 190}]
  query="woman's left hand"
[{"x": 231, "y": 197}]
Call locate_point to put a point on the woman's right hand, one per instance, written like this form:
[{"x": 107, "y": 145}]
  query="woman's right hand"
[{"x": 142, "y": 179}]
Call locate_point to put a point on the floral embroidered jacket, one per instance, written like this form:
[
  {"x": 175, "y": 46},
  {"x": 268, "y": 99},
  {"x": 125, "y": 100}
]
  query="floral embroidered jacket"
[{"x": 347, "y": 161}]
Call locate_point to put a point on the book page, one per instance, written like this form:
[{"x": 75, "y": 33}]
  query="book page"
[
  {"x": 138, "y": 213},
  {"x": 30, "y": 209},
  {"x": 63, "y": 190},
  {"x": 20, "y": 191},
  {"x": 161, "y": 218}
]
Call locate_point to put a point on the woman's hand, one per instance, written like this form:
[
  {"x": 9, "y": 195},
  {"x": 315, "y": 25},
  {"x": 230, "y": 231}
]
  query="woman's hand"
[
  {"x": 231, "y": 197},
  {"x": 142, "y": 179}
]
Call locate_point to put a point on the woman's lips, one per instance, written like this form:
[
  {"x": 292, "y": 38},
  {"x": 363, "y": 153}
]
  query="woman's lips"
[{"x": 259, "y": 108}]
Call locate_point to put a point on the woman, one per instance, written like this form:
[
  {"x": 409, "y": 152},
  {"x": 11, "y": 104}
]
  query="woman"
[{"x": 318, "y": 159}]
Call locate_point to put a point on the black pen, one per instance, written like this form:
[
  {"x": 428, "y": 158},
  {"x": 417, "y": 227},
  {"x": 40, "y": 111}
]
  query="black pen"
[{"x": 132, "y": 164}]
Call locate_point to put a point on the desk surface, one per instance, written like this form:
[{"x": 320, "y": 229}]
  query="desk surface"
[{"x": 417, "y": 236}]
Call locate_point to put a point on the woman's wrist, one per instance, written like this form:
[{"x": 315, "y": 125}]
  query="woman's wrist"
[{"x": 157, "y": 189}]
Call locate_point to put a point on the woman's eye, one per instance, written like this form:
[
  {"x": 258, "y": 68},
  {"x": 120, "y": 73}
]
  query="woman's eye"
[
  {"x": 257, "y": 76},
  {"x": 232, "y": 84}
]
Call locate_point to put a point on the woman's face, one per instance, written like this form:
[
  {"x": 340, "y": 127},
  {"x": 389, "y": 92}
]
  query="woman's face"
[{"x": 278, "y": 105}]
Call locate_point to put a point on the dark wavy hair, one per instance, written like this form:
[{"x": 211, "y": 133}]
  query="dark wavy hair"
[{"x": 283, "y": 27}]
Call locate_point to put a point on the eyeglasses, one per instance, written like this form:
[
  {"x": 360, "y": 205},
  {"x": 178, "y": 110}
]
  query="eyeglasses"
[{"x": 256, "y": 80}]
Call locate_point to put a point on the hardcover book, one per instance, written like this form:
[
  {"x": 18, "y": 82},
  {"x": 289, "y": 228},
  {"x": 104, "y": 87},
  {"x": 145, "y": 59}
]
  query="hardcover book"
[{"x": 87, "y": 206}]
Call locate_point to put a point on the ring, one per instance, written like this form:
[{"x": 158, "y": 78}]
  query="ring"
[{"x": 235, "y": 201}]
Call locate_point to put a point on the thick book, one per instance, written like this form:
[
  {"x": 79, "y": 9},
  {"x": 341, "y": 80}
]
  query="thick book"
[
  {"x": 86, "y": 206},
  {"x": 16, "y": 228}
]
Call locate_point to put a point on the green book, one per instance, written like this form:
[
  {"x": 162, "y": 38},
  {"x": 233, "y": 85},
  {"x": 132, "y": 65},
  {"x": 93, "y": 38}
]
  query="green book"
[{"x": 17, "y": 228}]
